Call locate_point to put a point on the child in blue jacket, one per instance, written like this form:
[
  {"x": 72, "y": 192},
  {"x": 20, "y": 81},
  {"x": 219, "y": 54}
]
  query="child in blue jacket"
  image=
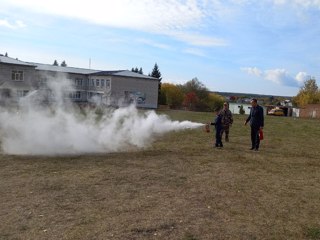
[{"x": 218, "y": 126}]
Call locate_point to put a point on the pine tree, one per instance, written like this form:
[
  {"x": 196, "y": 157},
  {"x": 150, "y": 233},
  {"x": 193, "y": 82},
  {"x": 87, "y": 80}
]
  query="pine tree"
[
  {"x": 157, "y": 74},
  {"x": 63, "y": 64},
  {"x": 6, "y": 55},
  {"x": 140, "y": 70},
  {"x": 55, "y": 63}
]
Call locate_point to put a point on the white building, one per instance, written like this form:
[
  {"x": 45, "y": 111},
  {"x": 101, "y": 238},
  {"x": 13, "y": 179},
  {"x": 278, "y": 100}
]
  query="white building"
[{"x": 19, "y": 78}]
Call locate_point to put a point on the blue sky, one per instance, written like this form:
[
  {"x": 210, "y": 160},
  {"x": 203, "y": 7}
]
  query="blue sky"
[{"x": 263, "y": 47}]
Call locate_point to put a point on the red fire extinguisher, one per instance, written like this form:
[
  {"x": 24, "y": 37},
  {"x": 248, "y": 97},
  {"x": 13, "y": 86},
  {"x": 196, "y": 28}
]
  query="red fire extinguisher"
[
  {"x": 261, "y": 134},
  {"x": 207, "y": 128}
]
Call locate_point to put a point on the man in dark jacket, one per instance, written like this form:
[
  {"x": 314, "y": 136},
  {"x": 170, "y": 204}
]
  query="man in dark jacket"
[{"x": 256, "y": 119}]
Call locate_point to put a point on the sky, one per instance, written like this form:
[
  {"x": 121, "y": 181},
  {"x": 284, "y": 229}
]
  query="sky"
[{"x": 246, "y": 46}]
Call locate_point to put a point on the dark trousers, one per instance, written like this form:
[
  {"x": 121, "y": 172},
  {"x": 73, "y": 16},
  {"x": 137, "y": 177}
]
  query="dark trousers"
[
  {"x": 255, "y": 140},
  {"x": 218, "y": 138},
  {"x": 225, "y": 130}
]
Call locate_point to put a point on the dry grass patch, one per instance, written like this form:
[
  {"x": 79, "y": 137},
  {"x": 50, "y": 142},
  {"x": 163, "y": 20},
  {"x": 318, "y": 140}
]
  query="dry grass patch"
[{"x": 178, "y": 188}]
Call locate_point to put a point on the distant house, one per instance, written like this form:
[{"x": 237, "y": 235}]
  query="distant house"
[
  {"x": 295, "y": 112},
  {"x": 310, "y": 111},
  {"x": 115, "y": 88}
]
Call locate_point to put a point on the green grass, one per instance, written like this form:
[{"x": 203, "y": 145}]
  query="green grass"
[
  {"x": 313, "y": 233},
  {"x": 178, "y": 188}
]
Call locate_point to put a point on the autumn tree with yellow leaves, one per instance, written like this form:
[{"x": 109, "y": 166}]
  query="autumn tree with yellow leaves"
[
  {"x": 308, "y": 94},
  {"x": 172, "y": 94}
]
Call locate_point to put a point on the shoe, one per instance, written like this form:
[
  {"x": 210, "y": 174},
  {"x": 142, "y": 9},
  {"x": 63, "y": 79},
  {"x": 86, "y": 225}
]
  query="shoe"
[
  {"x": 256, "y": 149},
  {"x": 252, "y": 148}
]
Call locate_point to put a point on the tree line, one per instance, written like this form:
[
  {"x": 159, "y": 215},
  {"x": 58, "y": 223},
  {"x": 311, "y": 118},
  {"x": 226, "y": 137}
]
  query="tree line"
[{"x": 193, "y": 95}]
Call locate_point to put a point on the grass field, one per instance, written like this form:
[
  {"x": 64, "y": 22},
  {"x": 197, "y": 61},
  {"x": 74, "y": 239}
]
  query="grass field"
[{"x": 180, "y": 187}]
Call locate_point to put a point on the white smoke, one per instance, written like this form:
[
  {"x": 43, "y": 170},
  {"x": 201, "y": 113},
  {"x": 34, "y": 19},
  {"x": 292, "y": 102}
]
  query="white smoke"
[{"x": 34, "y": 130}]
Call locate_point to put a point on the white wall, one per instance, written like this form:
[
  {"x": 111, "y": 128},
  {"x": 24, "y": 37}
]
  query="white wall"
[
  {"x": 295, "y": 112},
  {"x": 235, "y": 107}
]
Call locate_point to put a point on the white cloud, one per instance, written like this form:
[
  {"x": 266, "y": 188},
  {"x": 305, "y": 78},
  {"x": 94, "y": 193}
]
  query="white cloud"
[
  {"x": 182, "y": 20},
  {"x": 5, "y": 23},
  {"x": 252, "y": 70},
  {"x": 142, "y": 14},
  {"x": 15, "y": 25},
  {"x": 279, "y": 76},
  {"x": 301, "y": 77},
  {"x": 151, "y": 15},
  {"x": 174, "y": 18}
]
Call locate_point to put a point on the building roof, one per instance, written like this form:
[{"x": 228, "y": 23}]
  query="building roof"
[
  {"x": 124, "y": 73},
  {"x": 128, "y": 73},
  {"x": 48, "y": 67},
  {"x": 9, "y": 60}
]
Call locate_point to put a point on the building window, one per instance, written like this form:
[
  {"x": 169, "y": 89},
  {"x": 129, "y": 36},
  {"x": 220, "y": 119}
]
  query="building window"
[
  {"x": 94, "y": 96},
  {"x": 78, "y": 81},
  {"x": 75, "y": 95},
  {"x": 22, "y": 93},
  {"x": 102, "y": 83},
  {"x": 17, "y": 75},
  {"x": 108, "y": 83},
  {"x": 97, "y": 82},
  {"x": 92, "y": 82}
]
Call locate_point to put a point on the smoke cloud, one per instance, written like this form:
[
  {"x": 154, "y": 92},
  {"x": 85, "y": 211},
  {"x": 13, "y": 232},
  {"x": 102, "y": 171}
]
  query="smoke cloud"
[{"x": 62, "y": 129}]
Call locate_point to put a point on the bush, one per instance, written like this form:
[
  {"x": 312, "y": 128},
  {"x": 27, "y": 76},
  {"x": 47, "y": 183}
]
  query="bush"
[{"x": 241, "y": 110}]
